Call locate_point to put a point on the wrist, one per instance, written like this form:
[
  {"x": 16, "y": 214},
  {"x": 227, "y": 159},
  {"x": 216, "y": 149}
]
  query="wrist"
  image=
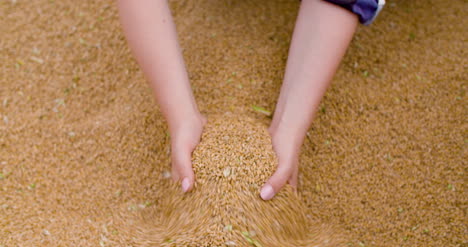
[
  {"x": 291, "y": 131},
  {"x": 185, "y": 123},
  {"x": 290, "y": 135},
  {"x": 287, "y": 145}
]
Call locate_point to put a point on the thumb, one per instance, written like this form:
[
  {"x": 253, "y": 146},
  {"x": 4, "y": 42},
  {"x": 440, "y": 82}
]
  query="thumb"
[
  {"x": 276, "y": 182},
  {"x": 182, "y": 164}
]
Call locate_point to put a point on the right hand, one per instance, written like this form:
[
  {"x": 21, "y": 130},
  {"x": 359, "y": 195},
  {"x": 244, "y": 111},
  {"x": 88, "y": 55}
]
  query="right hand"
[{"x": 184, "y": 139}]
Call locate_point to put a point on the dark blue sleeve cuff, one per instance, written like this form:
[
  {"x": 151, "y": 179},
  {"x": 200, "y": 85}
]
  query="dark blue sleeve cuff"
[{"x": 366, "y": 10}]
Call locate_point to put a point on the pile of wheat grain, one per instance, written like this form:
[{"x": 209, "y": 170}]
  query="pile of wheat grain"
[{"x": 232, "y": 162}]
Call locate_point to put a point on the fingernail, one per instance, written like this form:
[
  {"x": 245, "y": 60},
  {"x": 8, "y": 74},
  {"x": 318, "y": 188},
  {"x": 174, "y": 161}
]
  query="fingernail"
[
  {"x": 185, "y": 184},
  {"x": 267, "y": 192}
]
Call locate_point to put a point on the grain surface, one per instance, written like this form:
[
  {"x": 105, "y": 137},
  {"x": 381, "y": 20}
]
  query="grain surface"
[
  {"x": 232, "y": 162},
  {"x": 84, "y": 151}
]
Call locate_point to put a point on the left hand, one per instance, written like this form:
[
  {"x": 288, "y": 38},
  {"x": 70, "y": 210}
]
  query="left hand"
[{"x": 287, "y": 149}]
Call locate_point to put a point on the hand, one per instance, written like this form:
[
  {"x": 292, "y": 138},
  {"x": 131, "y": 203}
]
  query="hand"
[
  {"x": 287, "y": 149},
  {"x": 151, "y": 34},
  {"x": 316, "y": 50},
  {"x": 184, "y": 139}
]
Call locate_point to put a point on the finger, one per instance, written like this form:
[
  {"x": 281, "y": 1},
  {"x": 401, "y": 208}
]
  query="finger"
[
  {"x": 276, "y": 182},
  {"x": 182, "y": 165}
]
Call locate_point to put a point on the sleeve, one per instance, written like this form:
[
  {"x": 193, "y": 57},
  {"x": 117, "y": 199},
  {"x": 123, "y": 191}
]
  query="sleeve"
[{"x": 366, "y": 10}]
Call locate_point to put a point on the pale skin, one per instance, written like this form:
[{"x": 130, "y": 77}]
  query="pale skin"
[{"x": 321, "y": 36}]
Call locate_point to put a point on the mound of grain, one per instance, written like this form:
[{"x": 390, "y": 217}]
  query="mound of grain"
[{"x": 232, "y": 162}]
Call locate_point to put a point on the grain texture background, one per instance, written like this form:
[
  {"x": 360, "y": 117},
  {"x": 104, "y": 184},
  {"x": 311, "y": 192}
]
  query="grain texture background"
[{"x": 82, "y": 143}]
